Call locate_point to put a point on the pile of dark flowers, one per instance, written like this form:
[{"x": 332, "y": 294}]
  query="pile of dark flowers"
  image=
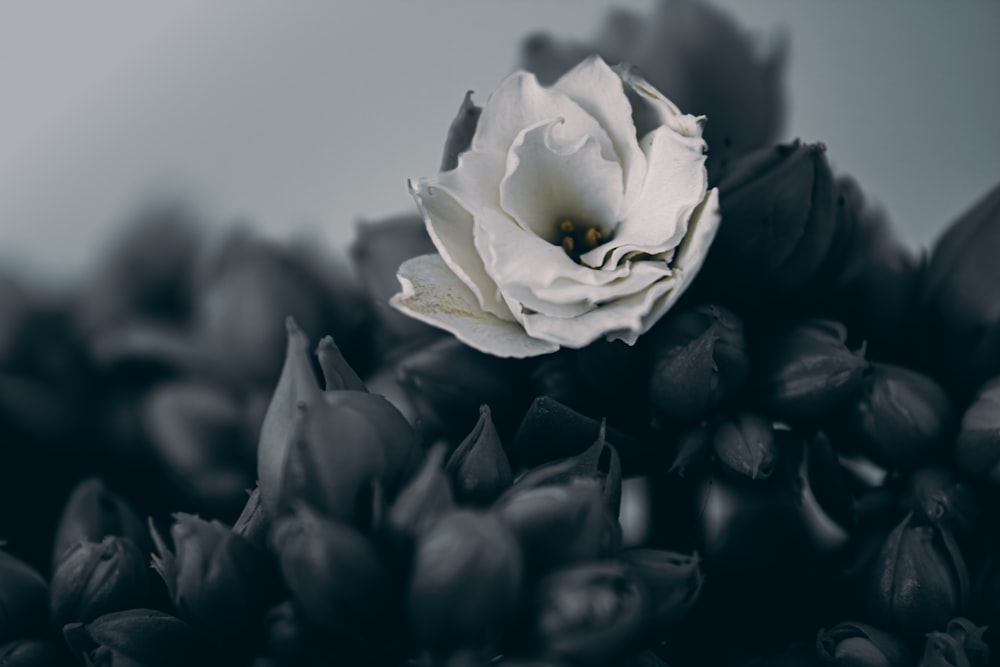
[{"x": 233, "y": 452}]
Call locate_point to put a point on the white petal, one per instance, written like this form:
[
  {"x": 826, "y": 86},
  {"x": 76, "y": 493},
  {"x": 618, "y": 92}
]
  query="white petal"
[
  {"x": 450, "y": 225},
  {"x": 599, "y": 91},
  {"x": 546, "y": 182},
  {"x": 433, "y": 294},
  {"x": 655, "y": 218},
  {"x": 520, "y": 102},
  {"x": 666, "y": 111}
]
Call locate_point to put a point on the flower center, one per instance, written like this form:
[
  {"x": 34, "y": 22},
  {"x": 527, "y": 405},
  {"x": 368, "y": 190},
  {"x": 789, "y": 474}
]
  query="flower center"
[{"x": 576, "y": 239}]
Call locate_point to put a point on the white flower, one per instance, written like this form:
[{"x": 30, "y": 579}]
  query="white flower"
[{"x": 559, "y": 225}]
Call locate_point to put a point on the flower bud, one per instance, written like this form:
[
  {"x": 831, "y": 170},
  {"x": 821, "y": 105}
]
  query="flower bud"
[
  {"x": 448, "y": 381},
  {"x": 958, "y": 293},
  {"x": 218, "y": 581},
  {"x": 425, "y": 499},
  {"x": 460, "y": 132},
  {"x": 199, "y": 437},
  {"x": 92, "y": 512},
  {"x": 854, "y": 644},
  {"x": 918, "y": 581},
  {"x": 745, "y": 445},
  {"x": 673, "y": 580},
  {"x": 24, "y": 600},
  {"x": 977, "y": 449},
  {"x": 557, "y": 524},
  {"x": 901, "y": 418},
  {"x": 938, "y": 493},
  {"x": 466, "y": 581},
  {"x": 698, "y": 358},
  {"x": 253, "y": 522},
  {"x": 479, "y": 468},
  {"x": 943, "y": 650},
  {"x": 333, "y": 572},
  {"x": 337, "y": 373},
  {"x": 807, "y": 371},
  {"x": 590, "y": 614},
  {"x": 138, "y": 638},
  {"x": 97, "y": 578},
  {"x": 778, "y": 209},
  {"x": 971, "y": 637},
  {"x": 30, "y": 653}
]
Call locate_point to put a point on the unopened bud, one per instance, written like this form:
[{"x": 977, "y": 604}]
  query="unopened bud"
[
  {"x": 919, "y": 580},
  {"x": 807, "y": 371},
  {"x": 698, "y": 358},
  {"x": 745, "y": 445},
  {"x": 977, "y": 449},
  {"x": 590, "y": 614},
  {"x": 479, "y": 468},
  {"x": 425, "y": 499},
  {"x": 899, "y": 417},
  {"x": 466, "y": 581},
  {"x": 218, "y": 581},
  {"x": 97, "y": 578},
  {"x": 138, "y": 638},
  {"x": 673, "y": 580},
  {"x": 854, "y": 644}
]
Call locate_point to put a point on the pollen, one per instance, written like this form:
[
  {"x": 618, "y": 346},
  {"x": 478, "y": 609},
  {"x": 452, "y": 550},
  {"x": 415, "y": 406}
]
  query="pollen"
[{"x": 576, "y": 239}]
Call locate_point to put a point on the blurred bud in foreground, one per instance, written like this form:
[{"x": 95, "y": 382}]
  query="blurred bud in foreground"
[
  {"x": 745, "y": 445},
  {"x": 699, "y": 57},
  {"x": 97, "y": 578},
  {"x": 589, "y": 614},
  {"x": 807, "y": 371},
  {"x": 466, "y": 581},
  {"x": 425, "y": 499},
  {"x": 673, "y": 580},
  {"x": 138, "y": 638},
  {"x": 778, "y": 209},
  {"x": 31, "y": 653},
  {"x": 24, "y": 600},
  {"x": 92, "y": 512},
  {"x": 960, "y": 297},
  {"x": 854, "y": 644},
  {"x": 901, "y": 418},
  {"x": 335, "y": 575},
  {"x": 218, "y": 581},
  {"x": 479, "y": 468},
  {"x": 698, "y": 358},
  {"x": 557, "y": 524},
  {"x": 977, "y": 449},
  {"x": 918, "y": 581}
]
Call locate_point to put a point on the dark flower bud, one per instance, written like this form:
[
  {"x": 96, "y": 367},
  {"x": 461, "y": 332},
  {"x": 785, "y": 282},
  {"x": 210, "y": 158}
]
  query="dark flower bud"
[
  {"x": 466, "y": 581},
  {"x": 901, "y": 418},
  {"x": 337, "y": 373},
  {"x": 938, "y": 493},
  {"x": 425, "y": 499},
  {"x": 807, "y": 371},
  {"x": 97, "y": 578},
  {"x": 971, "y": 637},
  {"x": 778, "y": 205},
  {"x": 334, "y": 573},
  {"x": 460, "y": 132},
  {"x": 199, "y": 436},
  {"x": 92, "y": 512},
  {"x": 31, "y": 653},
  {"x": 854, "y": 644},
  {"x": 673, "y": 580},
  {"x": 253, "y": 522},
  {"x": 943, "y": 650},
  {"x": 959, "y": 297},
  {"x": 448, "y": 381},
  {"x": 692, "y": 447},
  {"x": 698, "y": 357},
  {"x": 24, "y": 600},
  {"x": 977, "y": 449},
  {"x": 557, "y": 524},
  {"x": 218, "y": 581},
  {"x": 479, "y": 468},
  {"x": 745, "y": 445},
  {"x": 590, "y": 614},
  {"x": 327, "y": 447},
  {"x": 137, "y": 638},
  {"x": 919, "y": 580},
  {"x": 379, "y": 247}
]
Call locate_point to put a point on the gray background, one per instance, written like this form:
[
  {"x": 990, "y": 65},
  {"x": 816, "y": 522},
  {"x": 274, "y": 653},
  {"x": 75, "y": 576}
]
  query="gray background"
[{"x": 304, "y": 117}]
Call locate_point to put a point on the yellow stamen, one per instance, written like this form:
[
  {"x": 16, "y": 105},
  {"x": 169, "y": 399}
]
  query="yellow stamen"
[
  {"x": 566, "y": 226},
  {"x": 567, "y": 244},
  {"x": 592, "y": 238}
]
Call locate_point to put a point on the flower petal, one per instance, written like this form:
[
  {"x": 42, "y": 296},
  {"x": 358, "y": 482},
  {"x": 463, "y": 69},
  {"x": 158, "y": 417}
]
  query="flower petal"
[
  {"x": 599, "y": 91},
  {"x": 450, "y": 225},
  {"x": 655, "y": 219},
  {"x": 433, "y": 294},
  {"x": 546, "y": 182},
  {"x": 520, "y": 102},
  {"x": 665, "y": 111}
]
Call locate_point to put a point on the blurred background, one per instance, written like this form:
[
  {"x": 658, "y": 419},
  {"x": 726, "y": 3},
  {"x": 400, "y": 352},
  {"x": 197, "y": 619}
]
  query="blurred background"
[{"x": 302, "y": 118}]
